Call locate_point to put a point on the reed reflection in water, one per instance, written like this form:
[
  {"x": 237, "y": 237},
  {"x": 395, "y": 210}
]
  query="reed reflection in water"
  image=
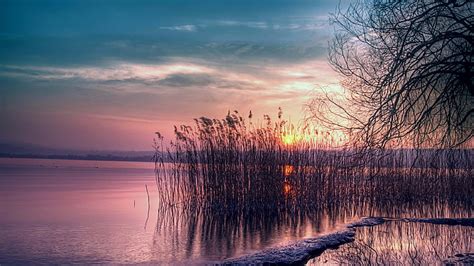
[
  {"x": 216, "y": 235},
  {"x": 402, "y": 243}
]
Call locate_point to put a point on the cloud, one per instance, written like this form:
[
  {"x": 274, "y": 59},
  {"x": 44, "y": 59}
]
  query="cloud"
[
  {"x": 306, "y": 24},
  {"x": 192, "y": 82},
  {"x": 142, "y": 78},
  {"x": 222, "y": 79},
  {"x": 249, "y": 24},
  {"x": 189, "y": 28},
  {"x": 184, "y": 73},
  {"x": 254, "y": 52},
  {"x": 302, "y": 27},
  {"x": 136, "y": 66},
  {"x": 128, "y": 98},
  {"x": 219, "y": 23},
  {"x": 115, "y": 72},
  {"x": 187, "y": 80},
  {"x": 309, "y": 25}
]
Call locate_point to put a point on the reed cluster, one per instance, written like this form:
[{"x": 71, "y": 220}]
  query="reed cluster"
[{"x": 232, "y": 163}]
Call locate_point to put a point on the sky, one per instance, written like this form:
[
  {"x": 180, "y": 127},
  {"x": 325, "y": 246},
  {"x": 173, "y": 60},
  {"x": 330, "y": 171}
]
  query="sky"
[{"x": 106, "y": 75}]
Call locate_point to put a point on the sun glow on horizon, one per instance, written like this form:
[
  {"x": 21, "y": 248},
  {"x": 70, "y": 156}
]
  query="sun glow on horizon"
[
  {"x": 289, "y": 139},
  {"x": 318, "y": 137}
]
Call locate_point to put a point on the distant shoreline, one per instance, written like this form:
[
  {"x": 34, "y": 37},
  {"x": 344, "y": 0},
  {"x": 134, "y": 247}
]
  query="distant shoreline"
[
  {"x": 142, "y": 157},
  {"x": 89, "y": 157}
]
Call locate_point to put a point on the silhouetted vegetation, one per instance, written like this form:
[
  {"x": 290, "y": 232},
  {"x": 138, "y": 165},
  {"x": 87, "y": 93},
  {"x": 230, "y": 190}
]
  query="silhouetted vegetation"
[
  {"x": 232, "y": 164},
  {"x": 407, "y": 69}
]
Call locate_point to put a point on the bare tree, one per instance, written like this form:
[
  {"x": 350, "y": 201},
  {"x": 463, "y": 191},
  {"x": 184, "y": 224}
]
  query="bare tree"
[{"x": 408, "y": 72}]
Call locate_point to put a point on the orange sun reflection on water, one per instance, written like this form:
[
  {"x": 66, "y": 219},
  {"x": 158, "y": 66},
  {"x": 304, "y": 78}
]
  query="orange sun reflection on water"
[
  {"x": 286, "y": 188},
  {"x": 287, "y": 171}
]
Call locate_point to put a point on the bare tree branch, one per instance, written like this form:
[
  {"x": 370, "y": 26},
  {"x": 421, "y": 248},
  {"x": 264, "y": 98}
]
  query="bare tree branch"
[{"x": 408, "y": 69}]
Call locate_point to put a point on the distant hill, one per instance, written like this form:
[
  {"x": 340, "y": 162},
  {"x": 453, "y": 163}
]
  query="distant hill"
[{"x": 27, "y": 150}]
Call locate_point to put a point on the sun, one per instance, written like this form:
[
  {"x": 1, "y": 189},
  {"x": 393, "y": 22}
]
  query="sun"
[
  {"x": 289, "y": 139},
  {"x": 330, "y": 138}
]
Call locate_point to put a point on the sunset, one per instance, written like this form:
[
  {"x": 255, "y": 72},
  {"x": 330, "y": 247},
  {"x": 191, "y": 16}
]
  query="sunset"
[
  {"x": 236, "y": 132},
  {"x": 78, "y": 73}
]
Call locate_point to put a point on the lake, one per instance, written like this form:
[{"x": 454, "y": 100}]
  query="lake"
[{"x": 66, "y": 211}]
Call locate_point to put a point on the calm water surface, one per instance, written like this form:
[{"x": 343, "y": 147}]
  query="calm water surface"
[
  {"x": 401, "y": 243},
  {"x": 97, "y": 212},
  {"x": 58, "y": 211}
]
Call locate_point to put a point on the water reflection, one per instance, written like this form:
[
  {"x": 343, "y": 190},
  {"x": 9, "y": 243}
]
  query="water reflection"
[
  {"x": 217, "y": 235},
  {"x": 401, "y": 243},
  {"x": 213, "y": 233},
  {"x": 84, "y": 212}
]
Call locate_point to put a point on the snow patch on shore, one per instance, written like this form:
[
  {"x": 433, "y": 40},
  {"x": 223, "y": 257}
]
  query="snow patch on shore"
[
  {"x": 298, "y": 252},
  {"x": 445, "y": 221},
  {"x": 301, "y": 251},
  {"x": 367, "y": 221}
]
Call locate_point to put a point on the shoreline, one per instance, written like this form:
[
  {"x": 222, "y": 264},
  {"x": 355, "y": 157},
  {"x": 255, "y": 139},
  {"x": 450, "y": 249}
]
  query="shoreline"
[{"x": 300, "y": 252}]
